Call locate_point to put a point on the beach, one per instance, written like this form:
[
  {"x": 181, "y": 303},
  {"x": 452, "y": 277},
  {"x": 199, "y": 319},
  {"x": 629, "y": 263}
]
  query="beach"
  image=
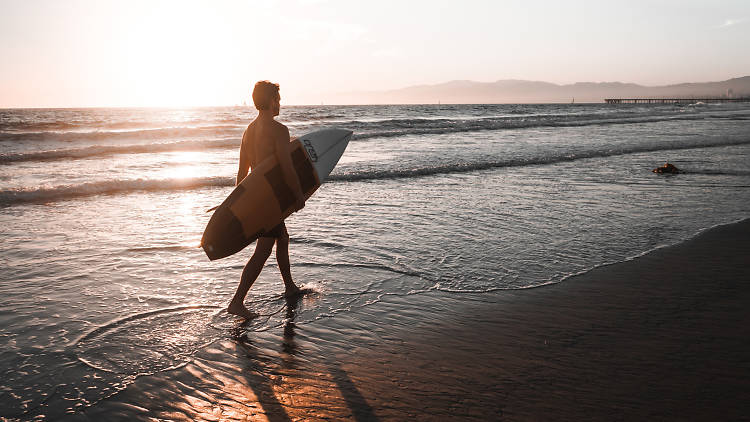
[
  {"x": 539, "y": 211},
  {"x": 592, "y": 348},
  {"x": 475, "y": 262}
]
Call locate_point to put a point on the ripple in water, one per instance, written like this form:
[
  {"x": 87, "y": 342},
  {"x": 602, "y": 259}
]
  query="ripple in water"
[{"x": 149, "y": 342}]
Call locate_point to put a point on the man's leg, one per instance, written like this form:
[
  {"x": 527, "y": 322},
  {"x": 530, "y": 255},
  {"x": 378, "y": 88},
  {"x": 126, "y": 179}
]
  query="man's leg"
[
  {"x": 282, "y": 258},
  {"x": 249, "y": 274}
]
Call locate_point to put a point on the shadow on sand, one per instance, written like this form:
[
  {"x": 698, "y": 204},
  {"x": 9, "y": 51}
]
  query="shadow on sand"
[{"x": 262, "y": 383}]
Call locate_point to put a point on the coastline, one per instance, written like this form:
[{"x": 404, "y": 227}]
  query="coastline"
[{"x": 662, "y": 336}]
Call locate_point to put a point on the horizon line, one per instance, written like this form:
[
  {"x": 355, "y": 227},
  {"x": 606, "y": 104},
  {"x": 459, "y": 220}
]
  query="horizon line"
[
  {"x": 290, "y": 105},
  {"x": 167, "y": 106}
]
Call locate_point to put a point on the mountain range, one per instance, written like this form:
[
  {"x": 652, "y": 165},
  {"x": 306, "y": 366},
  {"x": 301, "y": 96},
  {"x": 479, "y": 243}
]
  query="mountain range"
[{"x": 521, "y": 91}]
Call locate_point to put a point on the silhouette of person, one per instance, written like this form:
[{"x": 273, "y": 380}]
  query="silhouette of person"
[{"x": 263, "y": 138}]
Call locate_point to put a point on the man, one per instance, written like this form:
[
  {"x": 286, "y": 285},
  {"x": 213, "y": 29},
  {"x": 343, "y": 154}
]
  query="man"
[{"x": 263, "y": 138}]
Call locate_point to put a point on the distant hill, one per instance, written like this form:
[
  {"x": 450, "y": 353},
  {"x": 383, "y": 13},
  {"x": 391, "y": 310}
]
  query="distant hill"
[{"x": 520, "y": 91}]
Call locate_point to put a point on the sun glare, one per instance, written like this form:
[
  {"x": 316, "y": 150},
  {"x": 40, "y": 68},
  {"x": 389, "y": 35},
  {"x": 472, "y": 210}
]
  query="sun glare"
[
  {"x": 185, "y": 164},
  {"x": 176, "y": 57},
  {"x": 183, "y": 172}
]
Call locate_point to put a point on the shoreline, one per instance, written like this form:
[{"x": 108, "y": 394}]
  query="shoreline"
[
  {"x": 565, "y": 279},
  {"x": 661, "y": 336}
]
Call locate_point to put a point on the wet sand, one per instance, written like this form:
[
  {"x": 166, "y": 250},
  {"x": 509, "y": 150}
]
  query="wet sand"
[{"x": 664, "y": 336}]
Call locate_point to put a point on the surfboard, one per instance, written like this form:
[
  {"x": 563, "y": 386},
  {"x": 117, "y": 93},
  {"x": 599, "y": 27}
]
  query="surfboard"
[{"x": 263, "y": 199}]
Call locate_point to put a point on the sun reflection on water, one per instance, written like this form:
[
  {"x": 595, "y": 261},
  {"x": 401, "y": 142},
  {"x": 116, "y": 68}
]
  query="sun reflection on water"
[
  {"x": 188, "y": 215},
  {"x": 185, "y": 164}
]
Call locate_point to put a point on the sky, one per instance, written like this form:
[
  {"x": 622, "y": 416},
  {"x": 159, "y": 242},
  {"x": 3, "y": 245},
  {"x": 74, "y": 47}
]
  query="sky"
[{"x": 87, "y": 53}]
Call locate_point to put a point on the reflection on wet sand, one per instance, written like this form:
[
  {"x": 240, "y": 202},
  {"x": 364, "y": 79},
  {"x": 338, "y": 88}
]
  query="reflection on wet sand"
[
  {"x": 260, "y": 383},
  {"x": 275, "y": 375},
  {"x": 288, "y": 345},
  {"x": 298, "y": 389}
]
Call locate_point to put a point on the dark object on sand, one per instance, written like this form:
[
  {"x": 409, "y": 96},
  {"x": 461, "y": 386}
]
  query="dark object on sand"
[{"x": 667, "y": 168}]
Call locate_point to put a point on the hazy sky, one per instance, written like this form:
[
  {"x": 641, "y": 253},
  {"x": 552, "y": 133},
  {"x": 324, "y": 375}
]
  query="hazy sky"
[{"x": 131, "y": 53}]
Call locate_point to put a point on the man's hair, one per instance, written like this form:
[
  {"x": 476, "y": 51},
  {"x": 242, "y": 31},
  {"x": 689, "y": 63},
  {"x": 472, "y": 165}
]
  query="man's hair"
[{"x": 264, "y": 93}]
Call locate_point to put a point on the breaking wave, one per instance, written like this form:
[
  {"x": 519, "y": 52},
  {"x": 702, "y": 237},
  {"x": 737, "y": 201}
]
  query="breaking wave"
[
  {"x": 444, "y": 126},
  {"x": 464, "y": 167},
  {"x": 161, "y": 133},
  {"x": 64, "y": 192},
  {"x": 105, "y": 150},
  {"x": 228, "y": 137}
]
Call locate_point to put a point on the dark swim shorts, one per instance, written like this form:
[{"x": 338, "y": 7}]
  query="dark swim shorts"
[{"x": 276, "y": 232}]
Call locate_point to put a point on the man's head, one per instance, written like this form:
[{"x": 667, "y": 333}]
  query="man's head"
[{"x": 266, "y": 96}]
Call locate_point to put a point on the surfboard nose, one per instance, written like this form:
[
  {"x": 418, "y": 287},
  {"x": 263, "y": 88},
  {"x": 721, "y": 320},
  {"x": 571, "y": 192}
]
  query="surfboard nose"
[{"x": 324, "y": 148}]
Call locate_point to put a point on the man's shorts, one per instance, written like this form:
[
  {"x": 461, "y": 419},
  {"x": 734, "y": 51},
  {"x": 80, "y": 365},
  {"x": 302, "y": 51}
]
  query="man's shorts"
[{"x": 276, "y": 232}]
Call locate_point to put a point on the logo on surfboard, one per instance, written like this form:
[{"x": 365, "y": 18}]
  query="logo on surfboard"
[{"x": 310, "y": 150}]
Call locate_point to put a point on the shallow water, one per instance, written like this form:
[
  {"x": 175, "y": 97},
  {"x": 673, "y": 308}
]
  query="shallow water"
[{"x": 102, "y": 279}]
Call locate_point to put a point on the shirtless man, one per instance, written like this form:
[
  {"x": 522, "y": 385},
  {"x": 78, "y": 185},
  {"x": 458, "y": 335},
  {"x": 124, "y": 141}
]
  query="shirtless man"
[{"x": 265, "y": 137}]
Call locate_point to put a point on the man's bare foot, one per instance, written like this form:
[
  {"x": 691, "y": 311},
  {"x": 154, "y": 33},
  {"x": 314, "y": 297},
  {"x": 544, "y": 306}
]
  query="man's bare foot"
[
  {"x": 240, "y": 310},
  {"x": 295, "y": 292}
]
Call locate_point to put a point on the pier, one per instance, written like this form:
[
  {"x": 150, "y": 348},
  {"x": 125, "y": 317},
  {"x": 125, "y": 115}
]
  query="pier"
[{"x": 676, "y": 100}]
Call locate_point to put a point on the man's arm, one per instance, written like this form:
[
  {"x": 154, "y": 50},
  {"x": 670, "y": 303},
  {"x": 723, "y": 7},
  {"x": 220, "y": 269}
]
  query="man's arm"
[
  {"x": 244, "y": 159},
  {"x": 285, "y": 160}
]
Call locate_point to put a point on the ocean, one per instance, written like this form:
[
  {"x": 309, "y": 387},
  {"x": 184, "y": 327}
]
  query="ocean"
[{"x": 103, "y": 281}]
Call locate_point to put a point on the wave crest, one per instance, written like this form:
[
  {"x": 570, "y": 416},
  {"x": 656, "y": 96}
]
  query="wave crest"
[
  {"x": 63, "y": 192},
  {"x": 161, "y": 133},
  {"x": 228, "y": 136},
  {"x": 105, "y": 150}
]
